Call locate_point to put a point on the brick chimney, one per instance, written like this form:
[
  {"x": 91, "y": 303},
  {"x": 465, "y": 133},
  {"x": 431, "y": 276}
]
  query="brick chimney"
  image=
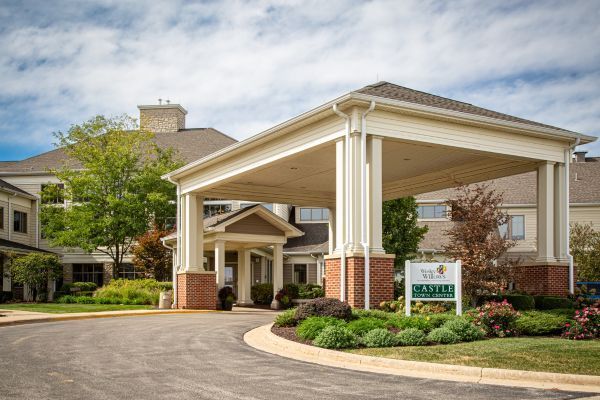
[
  {"x": 162, "y": 117},
  {"x": 580, "y": 156}
]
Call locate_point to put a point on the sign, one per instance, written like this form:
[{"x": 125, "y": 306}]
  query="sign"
[{"x": 433, "y": 282}]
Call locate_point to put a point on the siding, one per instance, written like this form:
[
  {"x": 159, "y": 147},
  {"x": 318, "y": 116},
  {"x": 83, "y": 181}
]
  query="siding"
[
  {"x": 586, "y": 215},
  {"x": 287, "y": 273},
  {"x": 311, "y": 275},
  {"x": 253, "y": 224}
]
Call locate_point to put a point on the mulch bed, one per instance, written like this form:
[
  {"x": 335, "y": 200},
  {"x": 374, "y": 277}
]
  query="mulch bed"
[{"x": 288, "y": 333}]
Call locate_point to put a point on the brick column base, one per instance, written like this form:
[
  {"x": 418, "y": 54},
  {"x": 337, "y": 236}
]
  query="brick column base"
[
  {"x": 549, "y": 280},
  {"x": 381, "y": 280},
  {"x": 197, "y": 290}
]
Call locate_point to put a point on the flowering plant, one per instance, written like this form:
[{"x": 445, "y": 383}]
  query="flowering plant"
[
  {"x": 585, "y": 324},
  {"x": 497, "y": 319}
]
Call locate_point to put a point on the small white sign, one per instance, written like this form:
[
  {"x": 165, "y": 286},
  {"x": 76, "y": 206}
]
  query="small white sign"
[{"x": 433, "y": 282}]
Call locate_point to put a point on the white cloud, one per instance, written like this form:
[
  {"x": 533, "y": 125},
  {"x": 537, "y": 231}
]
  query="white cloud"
[{"x": 245, "y": 66}]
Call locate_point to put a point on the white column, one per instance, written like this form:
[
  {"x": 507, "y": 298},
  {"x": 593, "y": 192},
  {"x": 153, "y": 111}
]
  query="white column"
[
  {"x": 193, "y": 233},
  {"x": 244, "y": 278},
  {"x": 545, "y": 212},
  {"x": 561, "y": 208},
  {"x": 375, "y": 194},
  {"x": 220, "y": 262},
  {"x": 340, "y": 194},
  {"x": 263, "y": 269},
  {"x": 277, "y": 270},
  {"x": 355, "y": 194},
  {"x": 332, "y": 230}
]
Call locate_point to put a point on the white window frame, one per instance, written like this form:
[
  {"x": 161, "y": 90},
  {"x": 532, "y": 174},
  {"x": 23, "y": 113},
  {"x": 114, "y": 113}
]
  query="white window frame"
[
  {"x": 299, "y": 219},
  {"x": 509, "y": 228},
  {"x": 446, "y": 216}
]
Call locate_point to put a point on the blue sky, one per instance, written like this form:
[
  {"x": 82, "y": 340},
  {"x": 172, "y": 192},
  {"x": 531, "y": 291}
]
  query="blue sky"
[{"x": 243, "y": 66}]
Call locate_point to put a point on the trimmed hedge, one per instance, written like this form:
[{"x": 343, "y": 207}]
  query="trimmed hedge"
[
  {"x": 537, "y": 323},
  {"x": 466, "y": 331},
  {"x": 379, "y": 337},
  {"x": 443, "y": 336},
  {"x": 82, "y": 286},
  {"x": 552, "y": 302},
  {"x": 335, "y": 337},
  {"x": 262, "y": 293},
  {"x": 324, "y": 307},
  {"x": 520, "y": 302},
  {"x": 411, "y": 337}
]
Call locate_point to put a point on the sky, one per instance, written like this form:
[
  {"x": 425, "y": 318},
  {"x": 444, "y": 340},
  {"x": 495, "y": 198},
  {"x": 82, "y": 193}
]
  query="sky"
[{"x": 244, "y": 66}]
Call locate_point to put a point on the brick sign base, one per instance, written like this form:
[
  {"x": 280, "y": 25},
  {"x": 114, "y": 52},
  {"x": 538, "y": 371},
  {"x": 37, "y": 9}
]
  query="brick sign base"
[
  {"x": 381, "y": 280},
  {"x": 197, "y": 290}
]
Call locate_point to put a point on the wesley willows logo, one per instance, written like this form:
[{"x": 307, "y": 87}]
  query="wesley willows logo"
[{"x": 437, "y": 273}]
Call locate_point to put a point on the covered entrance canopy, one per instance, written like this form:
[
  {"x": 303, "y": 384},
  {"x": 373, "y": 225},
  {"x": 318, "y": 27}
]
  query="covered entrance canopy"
[
  {"x": 379, "y": 143},
  {"x": 240, "y": 231}
]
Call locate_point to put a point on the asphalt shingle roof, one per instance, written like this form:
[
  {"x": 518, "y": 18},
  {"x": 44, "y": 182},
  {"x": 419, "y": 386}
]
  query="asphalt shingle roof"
[
  {"x": 189, "y": 145},
  {"x": 396, "y": 92}
]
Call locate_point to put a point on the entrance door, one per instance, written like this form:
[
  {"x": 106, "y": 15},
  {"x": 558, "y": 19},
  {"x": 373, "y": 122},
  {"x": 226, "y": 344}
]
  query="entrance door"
[{"x": 231, "y": 276}]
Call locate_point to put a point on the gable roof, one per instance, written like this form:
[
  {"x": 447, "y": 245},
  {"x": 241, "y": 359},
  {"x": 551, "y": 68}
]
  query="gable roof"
[
  {"x": 522, "y": 188},
  {"x": 189, "y": 145},
  {"x": 19, "y": 247},
  {"x": 11, "y": 188},
  {"x": 395, "y": 92}
]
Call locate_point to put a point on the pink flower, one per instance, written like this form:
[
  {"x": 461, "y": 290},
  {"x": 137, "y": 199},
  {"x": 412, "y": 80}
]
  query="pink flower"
[{"x": 567, "y": 325}]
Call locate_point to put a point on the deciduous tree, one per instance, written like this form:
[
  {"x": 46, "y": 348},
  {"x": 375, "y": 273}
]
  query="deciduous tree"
[
  {"x": 113, "y": 188},
  {"x": 151, "y": 257},
  {"x": 585, "y": 249},
  {"x": 475, "y": 240},
  {"x": 35, "y": 270},
  {"x": 401, "y": 234}
]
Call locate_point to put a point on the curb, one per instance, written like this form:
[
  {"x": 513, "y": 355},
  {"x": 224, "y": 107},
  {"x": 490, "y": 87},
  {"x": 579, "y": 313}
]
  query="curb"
[
  {"x": 263, "y": 339},
  {"x": 94, "y": 316}
]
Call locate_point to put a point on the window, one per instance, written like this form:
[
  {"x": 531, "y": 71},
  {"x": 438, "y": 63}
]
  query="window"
[
  {"x": 53, "y": 193},
  {"x": 514, "y": 229},
  {"x": 1, "y": 217},
  {"x": 300, "y": 273},
  {"x": 129, "y": 271},
  {"x": 431, "y": 212},
  {"x": 314, "y": 214},
  {"x": 20, "y": 222},
  {"x": 88, "y": 273},
  {"x": 216, "y": 209}
]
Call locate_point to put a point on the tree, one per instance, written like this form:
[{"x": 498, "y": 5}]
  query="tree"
[
  {"x": 585, "y": 249},
  {"x": 36, "y": 270},
  {"x": 475, "y": 240},
  {"x": 401, "y": 234},
  {"x": 151, "y": 256},
  {"x": 112, "y": 187}
]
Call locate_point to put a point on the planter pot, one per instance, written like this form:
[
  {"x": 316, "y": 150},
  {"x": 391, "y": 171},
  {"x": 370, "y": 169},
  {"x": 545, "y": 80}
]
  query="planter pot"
[{"x": 226, "y": 305}]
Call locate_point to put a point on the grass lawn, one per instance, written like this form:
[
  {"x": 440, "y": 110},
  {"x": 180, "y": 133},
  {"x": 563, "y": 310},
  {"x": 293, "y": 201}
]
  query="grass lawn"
[
  {"x": 532, "y": 354},
  {"x": 55, "y": 308}
]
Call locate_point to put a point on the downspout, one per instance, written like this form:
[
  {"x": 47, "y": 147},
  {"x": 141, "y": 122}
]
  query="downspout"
[
  {"x": 568, "y": 157},
  {"x": 346, "y": 203},
  {"x": 363, "y": 214},
  {"x": 37, "y": 223}
]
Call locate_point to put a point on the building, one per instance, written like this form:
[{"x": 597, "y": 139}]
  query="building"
[
  {"x": 348, "y": 155},
  {"x": 23, "y": 181},
  {"x": 520, "y": 203}
]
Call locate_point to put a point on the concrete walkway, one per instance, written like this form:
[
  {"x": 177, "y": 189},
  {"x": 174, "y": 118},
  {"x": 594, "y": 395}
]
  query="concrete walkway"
[
  {"x": 19, "y": 317},
  {"x": 196, "y": 356}
]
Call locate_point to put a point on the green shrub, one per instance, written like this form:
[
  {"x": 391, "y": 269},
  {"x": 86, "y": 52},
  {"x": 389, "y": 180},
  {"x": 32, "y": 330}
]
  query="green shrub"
[
  {"x": 443, "y": 336},
  {"x": 292, "y": 290},
  {"x": 419, "y": 322},
  {"x": 82, "y": 286},
  {"x": 466, "y": 331},
  {"x": 363, "y": 325},
  {"x": 262, "y": 293},
  {"x": 335, "y": 337},
  {"x": 411, "y": 337},
  {"x": 324, "y": 307},
  {"x": 551, "y": 303},
  {"x": 138, "y": 291},
  {"x": 66, "y": 299},
  {"x": 310, "y": 328},
  {"x": 310, "y": 291},
  {"x": 379, "y": 337},
  {"x": 361, "y": 313},
  {"x": 437, "y": 320},
  {"x": 286, "y": 318},
  {"x": 518, "y": 301},
  {"x": 565, "y": 312},
  {"x": 498, "y": 319},
  {"x": 537, "y": 323}
]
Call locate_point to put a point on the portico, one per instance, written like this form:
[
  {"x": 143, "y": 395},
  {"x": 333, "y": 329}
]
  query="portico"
[{"x": 378, "y": 143}]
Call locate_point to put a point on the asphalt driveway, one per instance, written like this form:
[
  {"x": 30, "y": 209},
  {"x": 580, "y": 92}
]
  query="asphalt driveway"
[{"x": 193, "y": 356}]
